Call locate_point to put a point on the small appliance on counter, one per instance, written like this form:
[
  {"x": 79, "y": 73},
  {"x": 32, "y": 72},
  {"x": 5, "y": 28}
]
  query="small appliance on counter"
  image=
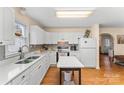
[
  {"x": 74, "y": 47},
  {"x": 45, "y": 47}
]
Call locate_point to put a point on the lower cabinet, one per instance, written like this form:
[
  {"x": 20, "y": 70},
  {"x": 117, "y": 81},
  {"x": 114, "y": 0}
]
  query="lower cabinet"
[
  {"x": 52, "y": 57},
  {"x": 34, "y": 75},
  {"x": 40, "y": 71},
  {"x": 22, "y": 79}
]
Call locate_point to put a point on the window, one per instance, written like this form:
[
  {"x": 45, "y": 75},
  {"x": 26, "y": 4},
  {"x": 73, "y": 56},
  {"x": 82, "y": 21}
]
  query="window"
[
  {"x": 19, "y": 40},
  {"x": 21, "y": 27}
]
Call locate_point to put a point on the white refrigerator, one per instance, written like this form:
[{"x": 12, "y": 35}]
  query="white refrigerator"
[{"x": 87, "y": 49}]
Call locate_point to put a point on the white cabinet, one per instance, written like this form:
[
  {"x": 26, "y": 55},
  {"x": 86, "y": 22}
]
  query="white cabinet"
[
  {"x": 36, "y": 75},
  {"x": 9, "y": 83},
  {"x": 48, "y": 38},
  {"x": 33, "y": 75},
  {"x": 22, "y": 79},
  {"x": 37, "y": 35},
  {"x": 72, "y": 37},
  {"x": 54, "y": 37},
  {"x": 52, "y": 57},
  {"x": 7, "y": 25},
  {"x": 45, "y": 66},
  {"x": 40, "y": 71}
]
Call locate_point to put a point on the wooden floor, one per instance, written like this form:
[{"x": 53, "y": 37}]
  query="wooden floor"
[{"x": 108, "y": 74}]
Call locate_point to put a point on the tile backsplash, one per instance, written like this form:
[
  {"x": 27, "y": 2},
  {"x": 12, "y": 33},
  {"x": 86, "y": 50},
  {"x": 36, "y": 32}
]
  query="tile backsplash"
[
  {"x": 43, "y": 47},
  {"x": 48, "y": 46}
]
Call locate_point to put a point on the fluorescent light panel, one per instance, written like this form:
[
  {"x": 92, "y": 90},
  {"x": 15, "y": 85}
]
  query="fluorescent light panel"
[{"x": 73, "y": 14}]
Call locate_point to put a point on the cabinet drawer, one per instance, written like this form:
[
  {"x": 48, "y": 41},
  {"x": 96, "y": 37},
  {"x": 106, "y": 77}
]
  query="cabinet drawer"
[
  {"x": 10, "y": 83},
  {"x": 21, "y": 78},
  {"x": 36, "y": 64}
]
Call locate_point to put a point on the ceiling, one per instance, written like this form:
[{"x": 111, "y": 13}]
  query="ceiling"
[{"x": 106, "y": 17}]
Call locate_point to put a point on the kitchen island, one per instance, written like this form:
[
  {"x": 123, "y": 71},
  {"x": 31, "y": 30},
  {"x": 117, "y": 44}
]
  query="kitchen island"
[{"x": 69, "y": 63}]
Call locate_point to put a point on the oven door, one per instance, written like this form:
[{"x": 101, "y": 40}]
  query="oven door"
[{"x": 63, "y": 54}]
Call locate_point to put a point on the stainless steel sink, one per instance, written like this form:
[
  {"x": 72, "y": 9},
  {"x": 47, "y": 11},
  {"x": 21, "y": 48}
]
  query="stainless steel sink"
[
  {"x": 33, "y": 57},
  {"x": 25, "y": 61},
  {"x": 28, "y": 60}
]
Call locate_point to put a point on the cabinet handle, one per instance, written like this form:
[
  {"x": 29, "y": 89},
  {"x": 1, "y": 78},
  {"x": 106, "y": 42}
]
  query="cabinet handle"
[{"x": 23, "y": 77}]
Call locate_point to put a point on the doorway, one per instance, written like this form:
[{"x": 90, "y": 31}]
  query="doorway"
[
  {"x": 106, "y": 43},
  {"x": 106, "y": 49}
]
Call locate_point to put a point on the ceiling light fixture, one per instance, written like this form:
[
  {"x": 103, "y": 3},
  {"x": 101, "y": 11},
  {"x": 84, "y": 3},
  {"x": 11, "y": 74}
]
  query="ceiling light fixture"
[{"x": 73, "y": 14}]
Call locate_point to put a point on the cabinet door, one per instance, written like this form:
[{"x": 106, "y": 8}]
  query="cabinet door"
[
  {"x": 35, "y": 76},
  {"x": 33, "y": 36},
  {"x": 52, "y": 57},
  {"x": 43, "y": 36},
  {"x": 21, "y": 79},
  {"x": 1, "y": 25},
  {"x": 37, "y": 35},
  {"x": 48, "y": 38},
  {"x": 47, "y": 61},
  {"x": 39, "y": 71},
  {"x": 8, "y": 24},
  {"x": 55, "y": 37},
  {"x": 25, "y": 82},
  {"x": 45, "y": 66}
]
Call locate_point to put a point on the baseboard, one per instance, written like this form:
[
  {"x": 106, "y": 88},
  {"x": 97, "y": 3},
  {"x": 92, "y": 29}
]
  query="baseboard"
[
  {"x": 97, "y": 67},
  {"x": 53, "y": 65}
]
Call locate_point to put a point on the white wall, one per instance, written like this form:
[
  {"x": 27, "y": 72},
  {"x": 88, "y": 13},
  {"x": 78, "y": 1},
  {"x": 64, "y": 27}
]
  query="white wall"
[
  {"x": 95, "y": 34},
  {"x": 118, "y": 48}
]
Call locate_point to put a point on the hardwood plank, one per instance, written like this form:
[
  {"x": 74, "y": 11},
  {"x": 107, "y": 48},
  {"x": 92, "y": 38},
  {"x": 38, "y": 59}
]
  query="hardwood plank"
[{"x": 109, "y": 74}]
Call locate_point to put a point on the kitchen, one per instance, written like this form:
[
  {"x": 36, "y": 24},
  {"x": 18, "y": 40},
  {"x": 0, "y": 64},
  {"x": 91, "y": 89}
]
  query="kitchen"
[{"x": 33, "y": 40}]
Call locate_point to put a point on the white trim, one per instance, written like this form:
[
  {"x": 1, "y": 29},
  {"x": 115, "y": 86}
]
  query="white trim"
[{"x": 97, "y": 67}]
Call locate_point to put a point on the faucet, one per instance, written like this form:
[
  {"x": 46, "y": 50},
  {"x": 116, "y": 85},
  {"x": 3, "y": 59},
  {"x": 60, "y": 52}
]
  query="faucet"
[{"x": 21, "y": 51}]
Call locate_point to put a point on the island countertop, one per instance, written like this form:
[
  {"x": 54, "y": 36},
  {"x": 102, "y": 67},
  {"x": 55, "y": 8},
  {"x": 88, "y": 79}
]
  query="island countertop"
[{"x": 69, "y": 62}]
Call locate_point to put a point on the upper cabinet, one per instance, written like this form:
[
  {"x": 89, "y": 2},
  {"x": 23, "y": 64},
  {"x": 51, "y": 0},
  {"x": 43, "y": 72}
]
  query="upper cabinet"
[
  {"x": 37, "y": 35},
  {"x": 7, "y": 25},
  {"x": 72, "y": 37}
]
